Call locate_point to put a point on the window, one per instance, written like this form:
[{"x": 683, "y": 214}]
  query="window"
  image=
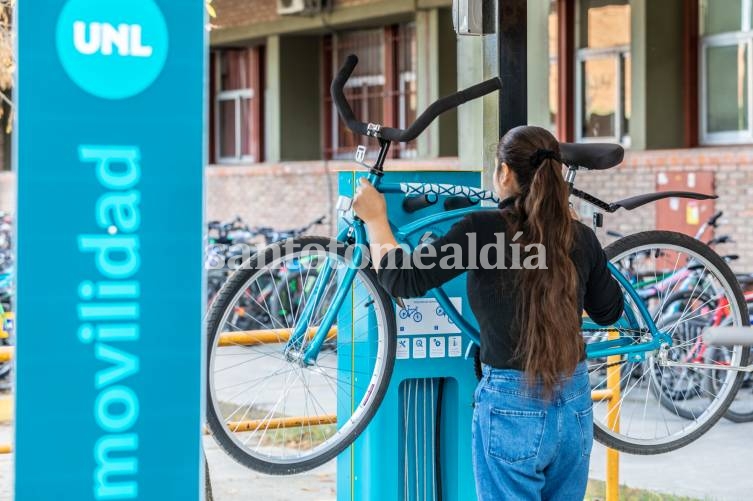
[
  {"x": 237, "y": 106},
  {"x": 381, "y": 90},
  {"x": 604, "y": 71},
  {"x": 726, "y": 39}
]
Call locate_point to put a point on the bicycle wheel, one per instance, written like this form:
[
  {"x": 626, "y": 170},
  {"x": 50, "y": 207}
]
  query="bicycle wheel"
[
  {"x": 637, "y": 422},
  {"x": 267, "y": 408}
]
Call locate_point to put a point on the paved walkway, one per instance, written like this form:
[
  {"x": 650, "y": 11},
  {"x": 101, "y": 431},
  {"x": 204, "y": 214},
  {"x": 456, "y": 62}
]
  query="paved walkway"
[{"x": 718, "y": 467}]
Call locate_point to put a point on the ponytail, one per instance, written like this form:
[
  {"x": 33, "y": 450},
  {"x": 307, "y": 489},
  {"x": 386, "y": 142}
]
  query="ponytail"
[{"x": 550, "y": 344}]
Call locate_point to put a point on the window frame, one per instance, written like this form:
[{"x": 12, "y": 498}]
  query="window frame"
[
  {"x": 236, "y": 96},
  {"x": 254, "y": 91},
  {"x": 728, "y": 39},
  {"x": 618, "y": 53}
]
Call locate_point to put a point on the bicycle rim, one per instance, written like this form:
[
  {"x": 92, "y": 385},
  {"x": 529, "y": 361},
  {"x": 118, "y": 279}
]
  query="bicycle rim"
[{"x": 662, "y": 408}]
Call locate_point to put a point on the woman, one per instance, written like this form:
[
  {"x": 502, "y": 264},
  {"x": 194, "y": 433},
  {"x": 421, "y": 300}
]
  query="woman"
[{"x": 532, "y": 422}]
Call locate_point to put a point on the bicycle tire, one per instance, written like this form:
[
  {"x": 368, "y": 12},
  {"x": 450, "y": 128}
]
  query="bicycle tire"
[
  {"x": 657, "y": 238},
  {"x": 223, "y": 300}
]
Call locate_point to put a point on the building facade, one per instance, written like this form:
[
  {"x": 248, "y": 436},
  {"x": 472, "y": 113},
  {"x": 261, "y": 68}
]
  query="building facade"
[{"x": 669, "y": 80}]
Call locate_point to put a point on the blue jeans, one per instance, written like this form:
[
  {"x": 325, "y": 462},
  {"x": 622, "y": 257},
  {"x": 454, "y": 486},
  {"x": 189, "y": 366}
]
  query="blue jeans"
[{"x": 526, "y": 447}]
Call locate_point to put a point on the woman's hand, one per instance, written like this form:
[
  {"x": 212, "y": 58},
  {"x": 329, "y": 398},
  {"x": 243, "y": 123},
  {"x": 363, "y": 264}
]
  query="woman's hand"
[{"x": 369, "y": 204}]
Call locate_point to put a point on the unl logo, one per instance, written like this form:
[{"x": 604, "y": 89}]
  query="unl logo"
[
  {"x": 112, "y": 49},
  {"x": 105, "y": 39}
]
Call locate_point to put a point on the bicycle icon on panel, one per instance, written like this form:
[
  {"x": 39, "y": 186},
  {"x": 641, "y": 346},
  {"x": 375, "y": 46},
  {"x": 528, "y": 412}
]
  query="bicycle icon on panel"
[
  {"x": 411, "y": 312},
  {"x": 441, "y": 313}
]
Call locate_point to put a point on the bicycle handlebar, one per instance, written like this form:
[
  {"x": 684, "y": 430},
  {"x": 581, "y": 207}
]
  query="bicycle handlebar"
[{"x": 401, "y": 135}]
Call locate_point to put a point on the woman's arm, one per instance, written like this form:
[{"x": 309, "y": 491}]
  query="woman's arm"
[
  {"x": 371, "y": 207},
  {"x": 604, "y": 301},
  {"x": 404, "y": 274}
]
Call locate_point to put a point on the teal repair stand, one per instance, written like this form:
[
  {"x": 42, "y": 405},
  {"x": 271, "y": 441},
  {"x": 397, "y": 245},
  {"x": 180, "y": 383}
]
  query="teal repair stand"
[{"x": 418, "y": 445}]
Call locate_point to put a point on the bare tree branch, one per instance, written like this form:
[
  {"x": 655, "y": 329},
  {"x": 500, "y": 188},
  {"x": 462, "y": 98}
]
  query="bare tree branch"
[{"x": 7, "y": 42}]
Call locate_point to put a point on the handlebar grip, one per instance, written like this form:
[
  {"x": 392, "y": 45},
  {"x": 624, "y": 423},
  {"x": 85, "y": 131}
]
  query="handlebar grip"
[
  {"x": 416, "y": 203},
  {"x": 438, "y": 107},
  {"x": 338, "y": 96}
]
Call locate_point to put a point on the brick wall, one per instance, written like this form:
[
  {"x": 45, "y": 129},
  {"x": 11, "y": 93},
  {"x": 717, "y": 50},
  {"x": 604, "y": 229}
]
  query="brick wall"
[
  {"x": 233, "y": 13},
  {"x": 7, "y": 192},
  {"x": 285, "y": 195},
  {"x": 291, "y": 194},
  {"x": 733, "y": 176},
  {"x": 282, "y": 196}
]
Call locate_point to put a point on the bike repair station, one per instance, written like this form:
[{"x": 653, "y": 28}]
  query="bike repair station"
[{"x": 418, "y": 445}]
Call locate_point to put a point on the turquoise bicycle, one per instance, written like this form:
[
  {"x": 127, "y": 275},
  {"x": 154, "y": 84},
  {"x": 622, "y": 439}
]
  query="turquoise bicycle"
[{"x": 290, "y": 398}]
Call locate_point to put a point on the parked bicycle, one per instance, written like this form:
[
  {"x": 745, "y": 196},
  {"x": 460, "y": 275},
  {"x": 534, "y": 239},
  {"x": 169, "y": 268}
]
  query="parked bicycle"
[
  {"x": 232, "y": 242},
  {"x": 284, "y": 404},
  {"x": 6, "y": 291}
]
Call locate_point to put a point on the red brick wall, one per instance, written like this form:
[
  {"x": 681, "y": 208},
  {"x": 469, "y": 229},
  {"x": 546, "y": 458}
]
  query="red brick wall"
[
  {"x": 291, "y": 194},
  {"x": 231, "y": 13},
  {"x": 733, "y": 179},
  {"x": 243, "y": 12},
  {"x": 284, "y": 195}
]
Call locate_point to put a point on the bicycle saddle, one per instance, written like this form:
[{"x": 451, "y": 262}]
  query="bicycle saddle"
[{"x": 594, "y": 156}]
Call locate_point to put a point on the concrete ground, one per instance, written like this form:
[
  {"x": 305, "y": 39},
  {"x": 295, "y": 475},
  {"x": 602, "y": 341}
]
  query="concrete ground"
[{"x": 716, "y": 467}]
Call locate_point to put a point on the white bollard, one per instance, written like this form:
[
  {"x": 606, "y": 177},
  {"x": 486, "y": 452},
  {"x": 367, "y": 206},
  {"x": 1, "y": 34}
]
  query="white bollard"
[{"x": 728, "y": 336}]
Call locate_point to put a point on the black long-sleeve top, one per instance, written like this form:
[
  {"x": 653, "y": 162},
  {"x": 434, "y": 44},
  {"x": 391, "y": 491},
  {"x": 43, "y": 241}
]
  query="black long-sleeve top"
[{"x": 491, "y": 292}]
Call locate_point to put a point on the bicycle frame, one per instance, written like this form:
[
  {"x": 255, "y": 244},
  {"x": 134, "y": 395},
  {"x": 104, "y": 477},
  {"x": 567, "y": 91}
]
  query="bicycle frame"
[{"x": 354, "y": 233}]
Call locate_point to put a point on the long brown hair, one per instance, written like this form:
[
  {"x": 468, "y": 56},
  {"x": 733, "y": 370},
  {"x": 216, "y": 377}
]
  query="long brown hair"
[{"x": 550, "y": 344}]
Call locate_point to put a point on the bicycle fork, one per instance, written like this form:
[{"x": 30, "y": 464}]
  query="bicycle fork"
[{"x": 303, "y": 344}]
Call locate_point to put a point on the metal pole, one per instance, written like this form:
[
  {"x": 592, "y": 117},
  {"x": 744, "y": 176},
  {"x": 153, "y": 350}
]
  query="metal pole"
[{"x": 512, "y": 47}]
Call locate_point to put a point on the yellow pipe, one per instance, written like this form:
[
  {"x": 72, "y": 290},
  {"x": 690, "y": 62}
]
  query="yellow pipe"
[
  {"x": 277, "y": 423},
  {"x": 6, "y": 353},
  {"x": 599, "y": 395},
  {"x": 5, "y": 449},
  {"x": 614, "y": 375},
  {"x": 264, "y": 336}
]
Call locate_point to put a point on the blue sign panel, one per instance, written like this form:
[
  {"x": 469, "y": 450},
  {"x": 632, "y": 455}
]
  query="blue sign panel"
[{"x": 109, "y": 158}]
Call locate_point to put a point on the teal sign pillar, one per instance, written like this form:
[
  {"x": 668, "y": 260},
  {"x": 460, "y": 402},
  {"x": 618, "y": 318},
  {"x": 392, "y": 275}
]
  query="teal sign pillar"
[{"x": 109, "y": 154}]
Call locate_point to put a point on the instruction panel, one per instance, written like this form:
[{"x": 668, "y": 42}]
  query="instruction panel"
[{"x": 424, "y": 316}]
